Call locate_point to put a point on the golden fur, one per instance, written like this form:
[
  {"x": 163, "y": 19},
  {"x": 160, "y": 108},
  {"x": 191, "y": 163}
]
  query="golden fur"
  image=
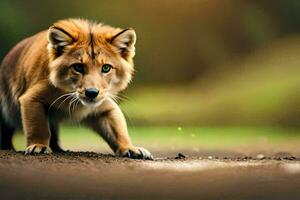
[{"x": 44, "y": 79}]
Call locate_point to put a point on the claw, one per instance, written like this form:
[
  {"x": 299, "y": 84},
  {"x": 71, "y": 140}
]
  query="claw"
[
  {"x": 127, "y": 154},
  {"x": 145, "y": 154},
  {"x": 138, "y": 153},
  {"x": 37, "y": 149}
]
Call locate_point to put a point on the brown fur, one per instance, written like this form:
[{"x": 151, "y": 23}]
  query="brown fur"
[{"x": 40, "y": 87}]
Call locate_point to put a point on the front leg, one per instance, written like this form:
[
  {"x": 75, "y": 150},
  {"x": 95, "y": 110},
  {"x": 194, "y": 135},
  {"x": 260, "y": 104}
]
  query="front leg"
[
  {"x": 111, "y": 125},
  {"x": 35, "y": 124}
]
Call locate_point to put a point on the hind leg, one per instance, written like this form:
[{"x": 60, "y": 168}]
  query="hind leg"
[
  {"x": 54, "y": 140},
  {"x": 6, "y": 134}
]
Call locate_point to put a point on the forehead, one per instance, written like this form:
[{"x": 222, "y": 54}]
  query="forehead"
[{"x": 93, "y": 54}]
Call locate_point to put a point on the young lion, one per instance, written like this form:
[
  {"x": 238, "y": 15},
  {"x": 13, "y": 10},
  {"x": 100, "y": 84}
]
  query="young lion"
[{"x": 72, "y": 70}]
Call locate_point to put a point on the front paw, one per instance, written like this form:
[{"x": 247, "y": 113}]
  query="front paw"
[
  {"x": 137, "y": 153},
  {"x": 37, "y": 149}
]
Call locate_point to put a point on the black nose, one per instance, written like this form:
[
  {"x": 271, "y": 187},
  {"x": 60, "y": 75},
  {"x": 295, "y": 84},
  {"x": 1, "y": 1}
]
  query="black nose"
[{"x": 91, "y": 93}]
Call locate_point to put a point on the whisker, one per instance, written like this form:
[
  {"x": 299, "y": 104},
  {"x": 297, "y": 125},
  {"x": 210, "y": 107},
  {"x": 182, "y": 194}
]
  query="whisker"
[
  {"x": 113, "y": 97},
  {"x": 70, "y": 104},
  {"x": 64, "y": 95},
  {"x": 124, "y": 96},
  {"x": 119, "y": 98},
  {"x": 70, "y": 96},
  {"x": 74, "y": 105}
]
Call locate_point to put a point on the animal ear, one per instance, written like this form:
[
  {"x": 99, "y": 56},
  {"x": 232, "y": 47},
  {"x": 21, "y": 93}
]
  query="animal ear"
[
  {"x": 125, "y": 42},
  {"x": 58, "y": 38}
]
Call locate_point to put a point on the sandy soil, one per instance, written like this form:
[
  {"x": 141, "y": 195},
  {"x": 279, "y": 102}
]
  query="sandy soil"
[{"x": 84, "y": 175}]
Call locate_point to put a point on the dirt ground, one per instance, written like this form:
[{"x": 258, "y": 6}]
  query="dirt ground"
[{"x": 85, "y": 175}]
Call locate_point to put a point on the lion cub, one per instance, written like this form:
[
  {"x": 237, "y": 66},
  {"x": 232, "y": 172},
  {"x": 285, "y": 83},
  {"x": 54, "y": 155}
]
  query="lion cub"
[{"x": 72, "y": 70}]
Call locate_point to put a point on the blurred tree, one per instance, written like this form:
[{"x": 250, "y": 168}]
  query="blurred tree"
[{"x": 177, "y": 40}]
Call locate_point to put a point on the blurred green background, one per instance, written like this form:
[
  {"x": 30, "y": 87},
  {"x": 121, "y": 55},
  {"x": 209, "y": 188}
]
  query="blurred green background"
[{"x": 221, "y": 70}]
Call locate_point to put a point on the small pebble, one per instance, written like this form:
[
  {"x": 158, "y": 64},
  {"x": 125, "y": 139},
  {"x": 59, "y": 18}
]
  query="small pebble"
[
  {"x": 260, "y": 156},
  {"x": 210, "y": 157},
  {"x": 290, "y": 158},
  {"x": 180, "y": 156}
]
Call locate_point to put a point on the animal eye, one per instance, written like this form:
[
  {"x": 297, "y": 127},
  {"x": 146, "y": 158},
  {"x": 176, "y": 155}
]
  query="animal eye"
[
  {"x": 106, "y": 68},
  {"x": 78, "y": 67}
]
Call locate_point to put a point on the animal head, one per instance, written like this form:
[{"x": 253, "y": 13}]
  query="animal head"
[{"x": 93, "y": 60}]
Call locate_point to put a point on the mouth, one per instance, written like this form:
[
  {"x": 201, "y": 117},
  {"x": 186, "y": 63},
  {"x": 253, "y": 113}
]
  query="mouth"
[{"x": 91, "y": 102}]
